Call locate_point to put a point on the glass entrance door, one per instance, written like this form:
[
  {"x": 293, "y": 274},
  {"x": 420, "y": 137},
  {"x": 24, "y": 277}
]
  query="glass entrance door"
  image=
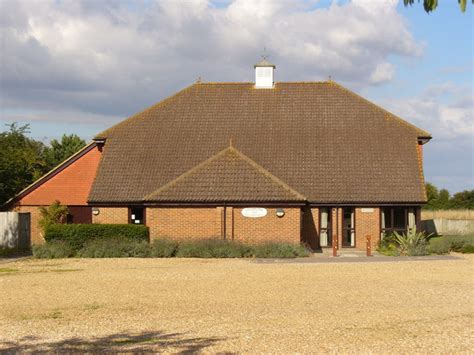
[
  {"x": 325, "y": 234},
  {"x": 348, "y": 227}
]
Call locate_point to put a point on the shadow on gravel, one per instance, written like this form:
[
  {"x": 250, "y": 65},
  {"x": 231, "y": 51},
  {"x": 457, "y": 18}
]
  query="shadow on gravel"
[{"x": 145, "y": 342}]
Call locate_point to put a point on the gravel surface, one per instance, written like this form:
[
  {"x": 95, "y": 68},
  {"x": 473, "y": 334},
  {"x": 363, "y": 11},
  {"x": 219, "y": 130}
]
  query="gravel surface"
[{"x": 186, "y": 305}]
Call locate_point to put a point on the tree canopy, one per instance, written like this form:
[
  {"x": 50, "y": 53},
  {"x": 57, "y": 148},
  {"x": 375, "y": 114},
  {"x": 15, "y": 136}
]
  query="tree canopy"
[
  {"x": 442, "y": 200},
  {"x": 23, "y": 160},
  {"x": 431, "y": 5}
]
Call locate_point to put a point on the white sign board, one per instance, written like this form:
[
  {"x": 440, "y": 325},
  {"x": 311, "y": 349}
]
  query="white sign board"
[
  {"x": 367, "y": 210},
  {"x": 254, "y": 212}
]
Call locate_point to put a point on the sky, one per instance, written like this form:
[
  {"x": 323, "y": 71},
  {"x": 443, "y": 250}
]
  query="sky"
[{"x": 80, "y": 66}]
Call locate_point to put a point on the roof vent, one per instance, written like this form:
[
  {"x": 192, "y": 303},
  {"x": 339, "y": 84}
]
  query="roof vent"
[{"x": 264, "y": 74}]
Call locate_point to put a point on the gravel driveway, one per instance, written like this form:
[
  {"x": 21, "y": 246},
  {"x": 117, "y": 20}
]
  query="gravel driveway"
[{"x": 187, "y": 305}]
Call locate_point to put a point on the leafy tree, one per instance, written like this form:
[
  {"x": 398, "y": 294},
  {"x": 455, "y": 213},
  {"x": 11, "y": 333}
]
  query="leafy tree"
[
  {"x": 61, "y": 150},
  {"x": 21, "y": 161},
  {"x": 444, "y": 202},
  {"x": 432, "y": 195},
  {"x": 53, "y": 214},
  {"x": 431, "y": 5},
  {"x": 464, "y": 200}
]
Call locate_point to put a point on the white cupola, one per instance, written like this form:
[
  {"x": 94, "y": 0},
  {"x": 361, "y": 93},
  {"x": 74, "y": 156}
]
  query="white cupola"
[{"x": 264, "y": 74}]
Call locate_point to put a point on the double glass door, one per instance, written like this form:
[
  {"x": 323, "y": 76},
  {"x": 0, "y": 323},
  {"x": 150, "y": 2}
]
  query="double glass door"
[{"x": 348, "y": 227}]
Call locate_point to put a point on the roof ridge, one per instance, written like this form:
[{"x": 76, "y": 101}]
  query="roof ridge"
[
  {"x": 232, "y": 149},
  {"x": 390, "y": 114},
  {"x": 149, "y": 108}
]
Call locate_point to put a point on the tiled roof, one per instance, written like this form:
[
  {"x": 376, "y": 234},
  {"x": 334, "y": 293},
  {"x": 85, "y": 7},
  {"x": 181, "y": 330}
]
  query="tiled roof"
[
  {"x": 322, "y": 140},
  {"x": 228, "y": 176}
]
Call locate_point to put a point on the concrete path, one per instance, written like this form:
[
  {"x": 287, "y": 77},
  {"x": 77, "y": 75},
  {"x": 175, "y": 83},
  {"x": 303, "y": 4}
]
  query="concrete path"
[{"x": 357, "y": 259}]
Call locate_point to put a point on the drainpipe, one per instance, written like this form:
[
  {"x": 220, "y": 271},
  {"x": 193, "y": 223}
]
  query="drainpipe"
[{"x": 225, "y": 220}]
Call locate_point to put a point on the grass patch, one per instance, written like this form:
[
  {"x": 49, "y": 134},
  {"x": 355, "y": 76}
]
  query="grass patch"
[{"x": 7, "y": 270}]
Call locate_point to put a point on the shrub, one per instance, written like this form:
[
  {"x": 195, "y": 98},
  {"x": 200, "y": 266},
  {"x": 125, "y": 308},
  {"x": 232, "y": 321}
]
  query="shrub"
[
  {"x": 53, "y": 214},
  {"x": 213, "y": 249},
  {"x": 76, "y": 235},
  {"x": 274, "y": 250},
  {"x": 467, "y": 249},
  {"x": 114, "y": 248},
  {"x": 412, "y": 243},
  {"x": 163, "y": 248},
  {"x": 445, "y": 244},
  {"x": 53, "y": 250}
]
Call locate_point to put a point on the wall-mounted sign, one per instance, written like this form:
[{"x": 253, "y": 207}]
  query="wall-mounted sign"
[
  {"x": 367, "y": 210},
  {"x": 254, "y": 212}
]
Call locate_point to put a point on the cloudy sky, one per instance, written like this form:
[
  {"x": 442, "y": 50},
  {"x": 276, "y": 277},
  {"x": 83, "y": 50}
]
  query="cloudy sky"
[{"x": 80, "y": 66}]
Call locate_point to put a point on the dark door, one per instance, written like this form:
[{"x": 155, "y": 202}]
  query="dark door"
[
  {"x": 79, "y": 214},
  {"x": 348, "y": 227}
]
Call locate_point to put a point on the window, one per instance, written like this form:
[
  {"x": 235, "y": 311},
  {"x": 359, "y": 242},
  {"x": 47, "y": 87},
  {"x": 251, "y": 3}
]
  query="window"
[
  {"x": 136, "y": 215},
  {"x": 325, "y": 235},
  {"x": 397, "y": 219}
]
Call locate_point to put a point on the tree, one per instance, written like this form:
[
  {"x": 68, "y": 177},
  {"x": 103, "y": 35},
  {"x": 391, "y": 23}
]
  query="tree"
[
  {"x": 61, "y": 150},
  {"x": 432, "y": 195},
  {"x": 21, "y": 160},
  {"x": 53, "y": 214},
  {"x": 444, "y": 202},
  {"x": 431, "y": 5},
  {"x": 463, "y": 200}
]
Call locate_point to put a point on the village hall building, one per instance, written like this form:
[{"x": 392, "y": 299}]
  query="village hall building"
[{"x": 293, "y": 162}]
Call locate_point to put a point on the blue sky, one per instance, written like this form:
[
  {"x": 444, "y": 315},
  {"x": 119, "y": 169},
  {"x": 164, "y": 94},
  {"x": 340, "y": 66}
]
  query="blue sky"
[{"x": 81, "y": 66}]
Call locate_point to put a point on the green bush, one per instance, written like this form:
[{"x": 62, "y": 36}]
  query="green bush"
[
  {"x": 274, "y": 250},
  {"x": 76, "y": 235},
  {"x": 163, "y": 248},
  {"x": 467, "y": 249},
  {"x": 213, "y": 249},
  {"x": 446, "y": 244},
  {"x": 412, "y": 243},
  {"x": 114, "y": 248},
  {"x": 53, "y": 250}
]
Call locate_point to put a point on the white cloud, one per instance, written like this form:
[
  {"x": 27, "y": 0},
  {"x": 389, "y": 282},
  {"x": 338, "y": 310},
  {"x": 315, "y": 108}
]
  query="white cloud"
[
  {"x": 113, "y": 58},
  {"x": 445, "y": 110}
]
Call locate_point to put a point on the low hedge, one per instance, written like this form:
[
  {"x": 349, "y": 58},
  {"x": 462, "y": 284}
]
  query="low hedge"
[
  {"x": 76, "y": 235},
  {"x": 117, "y": 247}
]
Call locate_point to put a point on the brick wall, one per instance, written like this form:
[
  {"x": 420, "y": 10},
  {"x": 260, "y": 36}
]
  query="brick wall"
[
  {"x": 35, "y": 230},
  {"x": 184, "y": 223},
  {"x": 205, "y": 223},
  {"x": 367, "y": 223},
  {"x": 270, "y": 228},
  {"x": 114, "y": 215},
  {"x": 70, "y": 186}
]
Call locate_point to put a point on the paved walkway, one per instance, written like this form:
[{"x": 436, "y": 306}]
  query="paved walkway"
[{"x": 325, "y": 259}]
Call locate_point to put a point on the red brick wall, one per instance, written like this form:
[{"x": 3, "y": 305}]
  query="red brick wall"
[
  {"x": 184, "y": 223},
  {"x": 113, "y": 215},
  {"x": 70, "y": 186},
  {"x": 205, "y": 223},
  {"x": 367, "y": 223},
  {"x": 36, "y": 232},
  {"x": 270, "y": 228}
]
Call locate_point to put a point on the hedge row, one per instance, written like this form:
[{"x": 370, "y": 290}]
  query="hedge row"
[
  {"x": 162, "y": 248},
  {"x": 77, "y": 235}
]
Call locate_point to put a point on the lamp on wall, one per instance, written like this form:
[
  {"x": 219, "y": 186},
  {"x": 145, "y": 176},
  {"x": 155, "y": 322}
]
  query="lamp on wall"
[
  {"x": 280, "y": 212},
  {"x": 95, "y": 211}
]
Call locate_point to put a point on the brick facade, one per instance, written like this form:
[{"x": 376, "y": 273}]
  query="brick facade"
[
  {"x": 35, "y": 230},
  {"x": 367, "y": 223},
  {"x": 204, "y": 223},
  {"x": 113, "y": 215},
  {"x": 184, "y": 223},
  {"x": 270, "y": 228}
]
